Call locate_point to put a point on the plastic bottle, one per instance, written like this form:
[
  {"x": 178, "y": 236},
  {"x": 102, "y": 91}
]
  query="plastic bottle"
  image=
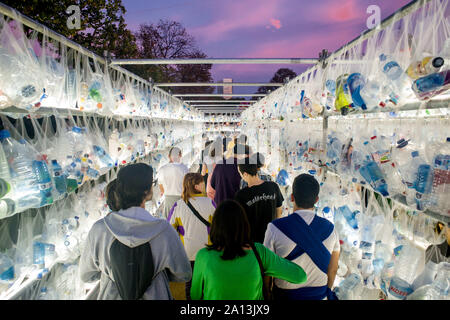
[
  {"x": 427, "y": 276},
  {"x": 349, "y": 288},
  {"x": 26, "y": 192},
  {"x": 371, "y": 94},
  {"x": 103, "y": 156},
  {"x": 439, "y": 289},
  {"x": 441, "y": 178},
  {"x": 5, "y": 176},
  {"x": 381, "y": 154},
  {"x": 424, "y": 67},
  {"x": 334, "y": 151},
  {"x": 373, "y": 175},
  {"x": 356, "y": 83},
  {"x": 406, "y": 266},
  {"x": 343, "y": 100},
  {"x": 349, "y": 216},
  {"x": 399, "y": 82},
  {"x": 431, "y": 85},
  {"x": 59, "y": 178},
  {"x": 44, "y": 180},
  {"x": 43, "y": 252},
  {"x": 423, "y": 179},
  {"x": 6, "y": 268}
]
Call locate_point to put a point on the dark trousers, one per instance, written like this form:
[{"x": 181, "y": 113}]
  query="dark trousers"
[{"x": 189, "y": 284}]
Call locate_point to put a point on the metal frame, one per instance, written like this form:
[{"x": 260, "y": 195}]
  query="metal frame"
[
  {"x": 217, "y": 61},
  {"x": 219, "y": 95},
  {"x": 221, "y": 101},
  {"x": 218, "y": 84}
]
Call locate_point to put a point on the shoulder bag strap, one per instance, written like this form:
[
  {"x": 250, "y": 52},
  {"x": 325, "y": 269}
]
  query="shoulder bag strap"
[{"x": 195, "y": 212}]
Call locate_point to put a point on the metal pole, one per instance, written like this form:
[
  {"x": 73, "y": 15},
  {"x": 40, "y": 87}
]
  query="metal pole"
[
  {"x": 218, "y": 84},
  {"x": 218, "y": 61},
  {"x": 218, "y": 95}
]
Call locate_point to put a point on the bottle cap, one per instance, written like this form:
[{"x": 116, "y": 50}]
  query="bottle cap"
[
  {"x": 437, "y": 62},
  {"x": 448, "y": 139},
  {"x": 415, "y": 154},
  {"x": 4, "y": 134},
  {"x": 76, "y": 129}
]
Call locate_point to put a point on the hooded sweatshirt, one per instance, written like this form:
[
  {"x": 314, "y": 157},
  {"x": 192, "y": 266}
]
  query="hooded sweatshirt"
[{"x": 133, "y": 227}]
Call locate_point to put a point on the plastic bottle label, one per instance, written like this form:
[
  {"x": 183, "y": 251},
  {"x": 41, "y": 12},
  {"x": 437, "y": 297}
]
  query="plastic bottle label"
[{"x": 399, "y": 288}]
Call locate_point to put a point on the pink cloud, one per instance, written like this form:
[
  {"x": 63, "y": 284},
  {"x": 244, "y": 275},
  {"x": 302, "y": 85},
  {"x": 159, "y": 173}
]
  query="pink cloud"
[
  {"x": 276, "y": 23},
  {"x": 339, "y": 11},
  {"x": 237, "y": 16}
]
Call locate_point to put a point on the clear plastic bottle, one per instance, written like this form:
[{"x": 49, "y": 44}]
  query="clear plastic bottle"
[
  {"x": 59, "y": 179},
  {"x": 6, "y": 268},
  {"x": 43, "y": 252},
  {"x": 104, "y": 158},
  {"x": 371, "y": 172},
  {"x": 441, "y": 179},
  {"x": 425, "y": 67},
  {"x": 439, "y": 289},
  {"x": 427, "y": 276},
  {"x": 407, "y": 264},
  {"x": 350, "y": 288},
  {"x": 5, "y": 176},
  {"x": 26, "y": 191}
]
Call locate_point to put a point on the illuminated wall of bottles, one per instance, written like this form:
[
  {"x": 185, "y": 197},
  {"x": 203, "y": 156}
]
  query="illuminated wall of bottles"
[
  {"x": 373, "y": 127},
  {"x": 67, "y": 126}
]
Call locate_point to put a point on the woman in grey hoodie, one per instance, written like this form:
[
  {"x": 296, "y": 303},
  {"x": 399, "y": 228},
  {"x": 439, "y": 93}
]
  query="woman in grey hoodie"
[{"x": 133, "y": 226}]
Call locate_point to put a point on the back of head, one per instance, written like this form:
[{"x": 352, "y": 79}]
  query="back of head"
[
  {"x": 260, "y": 160},
  {"x": 249, "y": 165},
  {"x": 230, "y": 230},
  {"x": 112, "y": 199},
  {"x": 175, "y": 154},
  {"x": 190, "y": 180},
  {"x": 305, "y": 190},
  {"x": 134, "y": 182}
]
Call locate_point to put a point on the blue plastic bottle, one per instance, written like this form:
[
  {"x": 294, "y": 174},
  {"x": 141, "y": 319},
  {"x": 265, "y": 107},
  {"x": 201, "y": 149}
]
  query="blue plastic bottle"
[
  {"x": 349, "y": 216},
  {"x": 103, "y": 156},
  {"x": 44, "y": 181},
  {"x": 355, "y": 83},
  {"x": 431, "y": 85},
  {"x": 59, "y": 178}
]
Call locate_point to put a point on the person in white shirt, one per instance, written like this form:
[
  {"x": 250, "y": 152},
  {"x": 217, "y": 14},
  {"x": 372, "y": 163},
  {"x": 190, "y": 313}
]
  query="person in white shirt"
[
  {"x": 191, "y": 216},
  {"x": 170, "y": 180},
  {"x": 308, "y": 240}
]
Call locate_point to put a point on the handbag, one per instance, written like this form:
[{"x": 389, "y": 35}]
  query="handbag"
[{"x": 267, "y": 292}]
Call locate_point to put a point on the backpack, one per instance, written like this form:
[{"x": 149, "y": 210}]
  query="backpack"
[{"x": 132, "y": 269}]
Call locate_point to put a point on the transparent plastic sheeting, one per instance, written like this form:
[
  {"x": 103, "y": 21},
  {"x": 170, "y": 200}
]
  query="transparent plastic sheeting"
[
  {"x": 403, "y": 63},
  {"x": 36, "y": 72},
  {"x": 51, "y": 238}
]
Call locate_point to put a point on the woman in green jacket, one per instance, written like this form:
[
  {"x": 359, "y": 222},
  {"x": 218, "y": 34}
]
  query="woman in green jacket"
[{"x": 228, "y": 268}]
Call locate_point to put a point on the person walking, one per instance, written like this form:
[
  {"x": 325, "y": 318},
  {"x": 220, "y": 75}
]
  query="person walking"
[
  {"x": 261, "y": 174},
  {"x": 132, "y": 230},
  {"x": 170, "y": 179},
  {"x": 226, "y": 179},
  {"x": 308, "y": 240},
  {"x": 191, "y": 216},
  {"x": 231, "y": 267},
  {"x": 262, "y": 200}
]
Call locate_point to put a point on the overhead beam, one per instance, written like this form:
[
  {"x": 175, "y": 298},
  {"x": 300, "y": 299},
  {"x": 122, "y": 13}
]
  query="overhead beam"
[
  {"x": 218, "y": 105},
  {"x": 219, "y": 95},
  {"x": 217, "y": 61},
  {"x": 219, "y": 84},
  {"x": 215, "y": 101}
]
